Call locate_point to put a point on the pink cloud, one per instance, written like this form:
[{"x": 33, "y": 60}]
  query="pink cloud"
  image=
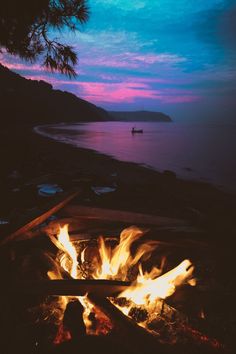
[
  {"x": 122, "y": 92},
  {"x": 179, "y": 99},
  {"x": 14, "y": 63},
  {"x": 150, "y": 80},
  {"x": 116, "y": 92},
  {"x": 114, "y": 62},
  {"x": 120, "y": 77},
  {"x": 20, "y": 66},
  {"x": 128, "y": 92},
  {"x": 131, "y": 60},
  {"x": 158, "y": 58}
]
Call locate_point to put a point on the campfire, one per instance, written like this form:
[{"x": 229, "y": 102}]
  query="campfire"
[
  {"x": 135, "y": 290},
  {"x": 146, "y": 287}
]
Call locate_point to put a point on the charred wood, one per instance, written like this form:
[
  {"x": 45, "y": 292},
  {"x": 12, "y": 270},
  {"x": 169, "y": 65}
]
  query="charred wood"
[
  {"x": 139, "y": 339},
  {"x": 66, "y": 287}
]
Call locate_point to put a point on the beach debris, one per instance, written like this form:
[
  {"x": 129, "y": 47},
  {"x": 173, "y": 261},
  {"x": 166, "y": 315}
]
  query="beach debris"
[
  {"x": 39, "y": 180},
  {"x": 48, "y": 190},
  {"x": 194, "y": 213},
  {"x": 15, "y": 190},
  {"x": 4, "y": 222},
  {"x": 15, "y": 175},
  {"x": 114, "y": 174},
  {"x": 103, "y": 190}
]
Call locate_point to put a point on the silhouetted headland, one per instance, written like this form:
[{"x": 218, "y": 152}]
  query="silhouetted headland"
[{"x": 36, "y": 102}]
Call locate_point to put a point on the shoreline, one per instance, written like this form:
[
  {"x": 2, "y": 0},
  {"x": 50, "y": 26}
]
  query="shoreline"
[
  {"x": 44, "y": 132},
  {"x": 27, "y": 156}
]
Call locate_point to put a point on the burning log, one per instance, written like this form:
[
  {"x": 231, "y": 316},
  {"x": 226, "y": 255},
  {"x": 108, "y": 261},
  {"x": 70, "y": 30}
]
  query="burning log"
[
  {"x": 67, "y": 287},
  {"x": 148, "y": 340},
  {"x": 174, "y": 326},
  {"x": 73, "y": 319},
  {"x": 200, "y": 338},
  {"x": 138, "y": 337}
]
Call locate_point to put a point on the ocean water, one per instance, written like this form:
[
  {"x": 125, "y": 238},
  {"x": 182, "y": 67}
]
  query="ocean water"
[{"x": 203, "y": 152}]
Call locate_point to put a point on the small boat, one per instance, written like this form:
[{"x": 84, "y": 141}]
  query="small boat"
[{"x": 134, "y": 131}]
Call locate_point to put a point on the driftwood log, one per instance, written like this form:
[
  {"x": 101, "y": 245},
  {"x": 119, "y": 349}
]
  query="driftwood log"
[
  {"x": 81, "y": 212},
  {"x": 36, "y": 217}
]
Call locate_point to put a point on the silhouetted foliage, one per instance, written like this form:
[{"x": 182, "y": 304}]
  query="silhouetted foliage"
[{"x": 26, "y": 27}]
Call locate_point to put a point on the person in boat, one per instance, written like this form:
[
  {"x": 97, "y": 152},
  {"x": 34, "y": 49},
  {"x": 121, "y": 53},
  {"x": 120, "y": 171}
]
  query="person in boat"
[{"x": 134, "y": 130}]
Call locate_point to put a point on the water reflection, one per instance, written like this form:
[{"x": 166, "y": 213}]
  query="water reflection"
[{"x": 202, "y": 152}]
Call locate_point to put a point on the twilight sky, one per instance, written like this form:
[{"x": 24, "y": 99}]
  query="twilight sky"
[{"x": 174, "y": 56}]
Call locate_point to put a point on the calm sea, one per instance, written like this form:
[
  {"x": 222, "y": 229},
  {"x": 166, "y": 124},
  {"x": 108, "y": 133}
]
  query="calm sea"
[{"x": 204, "y": 152}]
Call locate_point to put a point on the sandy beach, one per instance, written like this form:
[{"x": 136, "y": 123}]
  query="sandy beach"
[{"x": 28, "y": 159}]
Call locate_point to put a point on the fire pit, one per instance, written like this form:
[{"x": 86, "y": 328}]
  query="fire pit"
[
  {"x": 131, "y": 293},
  {"x": 146, "y": 290}
]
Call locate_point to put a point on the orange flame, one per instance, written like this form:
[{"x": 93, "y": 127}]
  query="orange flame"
[
  {"x": 149, "y": 288},
  {"x": 115, "y": 263},
  {"x": 64, "y": 240}
]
